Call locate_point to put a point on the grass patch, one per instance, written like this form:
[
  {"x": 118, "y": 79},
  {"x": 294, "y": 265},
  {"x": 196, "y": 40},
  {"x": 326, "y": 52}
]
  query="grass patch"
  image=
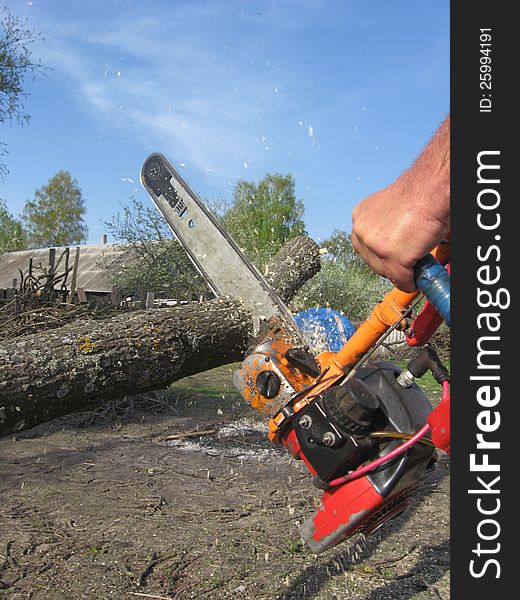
[{"x": 215, "y": 382}]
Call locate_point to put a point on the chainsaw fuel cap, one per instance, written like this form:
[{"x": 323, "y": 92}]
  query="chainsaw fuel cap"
[{"x": 268, "y": 384}]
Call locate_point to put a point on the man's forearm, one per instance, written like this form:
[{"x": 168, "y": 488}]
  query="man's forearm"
[
  {"x": 426, "y": 184},
  {"x": 395, "y": 227}
]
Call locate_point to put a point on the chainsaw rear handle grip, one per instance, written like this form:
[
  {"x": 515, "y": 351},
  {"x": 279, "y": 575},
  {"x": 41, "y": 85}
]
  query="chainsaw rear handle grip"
[{"x": 434, "y": 282}]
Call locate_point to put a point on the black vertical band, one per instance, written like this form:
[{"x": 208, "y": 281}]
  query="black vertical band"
[{"x": 485, "y": 232}]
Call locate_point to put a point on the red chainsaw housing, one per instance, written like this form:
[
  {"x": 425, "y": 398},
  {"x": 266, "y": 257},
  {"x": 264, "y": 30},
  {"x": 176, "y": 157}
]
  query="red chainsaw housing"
[
  {"x": 354, "y": 507},
  {"x": 364, "y": 504}
]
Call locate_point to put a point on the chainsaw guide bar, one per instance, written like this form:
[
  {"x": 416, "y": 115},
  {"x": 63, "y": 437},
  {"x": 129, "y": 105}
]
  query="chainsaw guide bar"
[{"x": 216, "y": 256}]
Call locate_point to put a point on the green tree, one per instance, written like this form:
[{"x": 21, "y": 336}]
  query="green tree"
[
  {"x": 352, "y": 291},
  {"x": 345, "y": 282},
  {"x": 152, "y": 260},
  {"x": 264, "y": 215},
  {"x": 16, "y": 62},
  {"x": 55, "y": 216},
  {"x": 12, "y": 235},
  {"x": 339, "y": 249}
]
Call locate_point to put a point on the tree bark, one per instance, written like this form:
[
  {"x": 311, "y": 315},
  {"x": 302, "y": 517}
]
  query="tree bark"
[{"x": 74, "y": 367}]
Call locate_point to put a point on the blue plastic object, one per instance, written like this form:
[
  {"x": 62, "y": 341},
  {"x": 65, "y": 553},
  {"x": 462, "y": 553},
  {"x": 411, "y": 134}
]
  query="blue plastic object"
[
  {"x": 325, "y": 329},
  {"x": 434, "y": 282}
]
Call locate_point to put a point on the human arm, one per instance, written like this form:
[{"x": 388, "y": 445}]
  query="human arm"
[{"x": 395, "y": 227}]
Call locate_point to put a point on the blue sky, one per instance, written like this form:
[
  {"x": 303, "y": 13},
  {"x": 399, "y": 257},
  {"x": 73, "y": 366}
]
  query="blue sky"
[{"x": 342, "y": 94}]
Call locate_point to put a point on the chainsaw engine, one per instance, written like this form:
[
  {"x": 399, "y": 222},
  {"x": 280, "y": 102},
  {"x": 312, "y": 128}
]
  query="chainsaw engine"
[{"x": 338, "y": 430}]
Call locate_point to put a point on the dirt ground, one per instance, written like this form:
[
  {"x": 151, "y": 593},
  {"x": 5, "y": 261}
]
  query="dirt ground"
[{"x": 100, "y": 505}]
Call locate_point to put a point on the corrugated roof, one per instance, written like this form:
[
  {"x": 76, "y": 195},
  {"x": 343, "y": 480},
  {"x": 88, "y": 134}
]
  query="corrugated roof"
[{"x": 91, "y": 277}]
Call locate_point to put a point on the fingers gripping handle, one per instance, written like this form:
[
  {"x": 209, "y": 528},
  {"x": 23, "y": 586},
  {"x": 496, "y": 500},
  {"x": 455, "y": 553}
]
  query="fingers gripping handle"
[{"x": 434, "y": 282}]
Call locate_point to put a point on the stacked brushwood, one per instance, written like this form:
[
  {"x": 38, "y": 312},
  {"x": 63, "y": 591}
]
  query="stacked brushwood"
[
  {"x": 56, "y": 371},
  {"x": 43, "y": 301},
  {"x": 28, "y": 314}
]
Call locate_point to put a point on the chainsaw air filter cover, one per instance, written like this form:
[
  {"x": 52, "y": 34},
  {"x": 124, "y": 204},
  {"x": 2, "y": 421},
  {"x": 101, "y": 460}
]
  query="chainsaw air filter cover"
[{"x": 332, "y": 430}]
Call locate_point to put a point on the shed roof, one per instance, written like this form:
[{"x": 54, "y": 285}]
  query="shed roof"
[{"x": 91, "y": 277}]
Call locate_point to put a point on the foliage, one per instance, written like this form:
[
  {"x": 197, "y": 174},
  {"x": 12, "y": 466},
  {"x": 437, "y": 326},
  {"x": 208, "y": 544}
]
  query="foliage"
[
  {"x": 339, "y": 248},
  {"x": 16, "y": 62},
  {"x": 261, "y": 218},
  {"x": 55, "y": 216},
  {"x": 344, "y": 283},
  {"x": 152, "y": 260},
  {"x": 12, "y": 235},
  {"x": 264, "y": 215},
  {"x": 351, "y": 290}
]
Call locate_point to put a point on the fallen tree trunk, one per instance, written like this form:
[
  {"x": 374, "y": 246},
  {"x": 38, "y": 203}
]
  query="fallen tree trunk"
[{"x": 74, "y": 367}]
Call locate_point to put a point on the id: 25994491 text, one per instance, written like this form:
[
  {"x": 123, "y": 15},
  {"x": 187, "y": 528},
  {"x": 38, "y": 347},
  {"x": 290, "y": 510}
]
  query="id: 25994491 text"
[{"x": 485, "y": 71}]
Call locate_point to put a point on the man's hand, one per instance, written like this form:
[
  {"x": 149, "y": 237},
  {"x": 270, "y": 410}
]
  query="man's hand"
[{"x": 395, "y": 227}]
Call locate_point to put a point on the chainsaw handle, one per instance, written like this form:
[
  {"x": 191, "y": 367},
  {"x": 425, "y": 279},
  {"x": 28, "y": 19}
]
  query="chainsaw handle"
[{"x": 434, "y": 282}]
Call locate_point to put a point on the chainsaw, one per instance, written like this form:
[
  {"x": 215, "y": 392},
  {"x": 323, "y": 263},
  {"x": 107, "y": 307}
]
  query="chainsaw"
[{"x": 364, "y": 429}]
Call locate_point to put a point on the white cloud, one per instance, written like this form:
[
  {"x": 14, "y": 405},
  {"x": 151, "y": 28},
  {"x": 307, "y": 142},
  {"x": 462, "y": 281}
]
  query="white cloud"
[{"x": 171, "y": 81}]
